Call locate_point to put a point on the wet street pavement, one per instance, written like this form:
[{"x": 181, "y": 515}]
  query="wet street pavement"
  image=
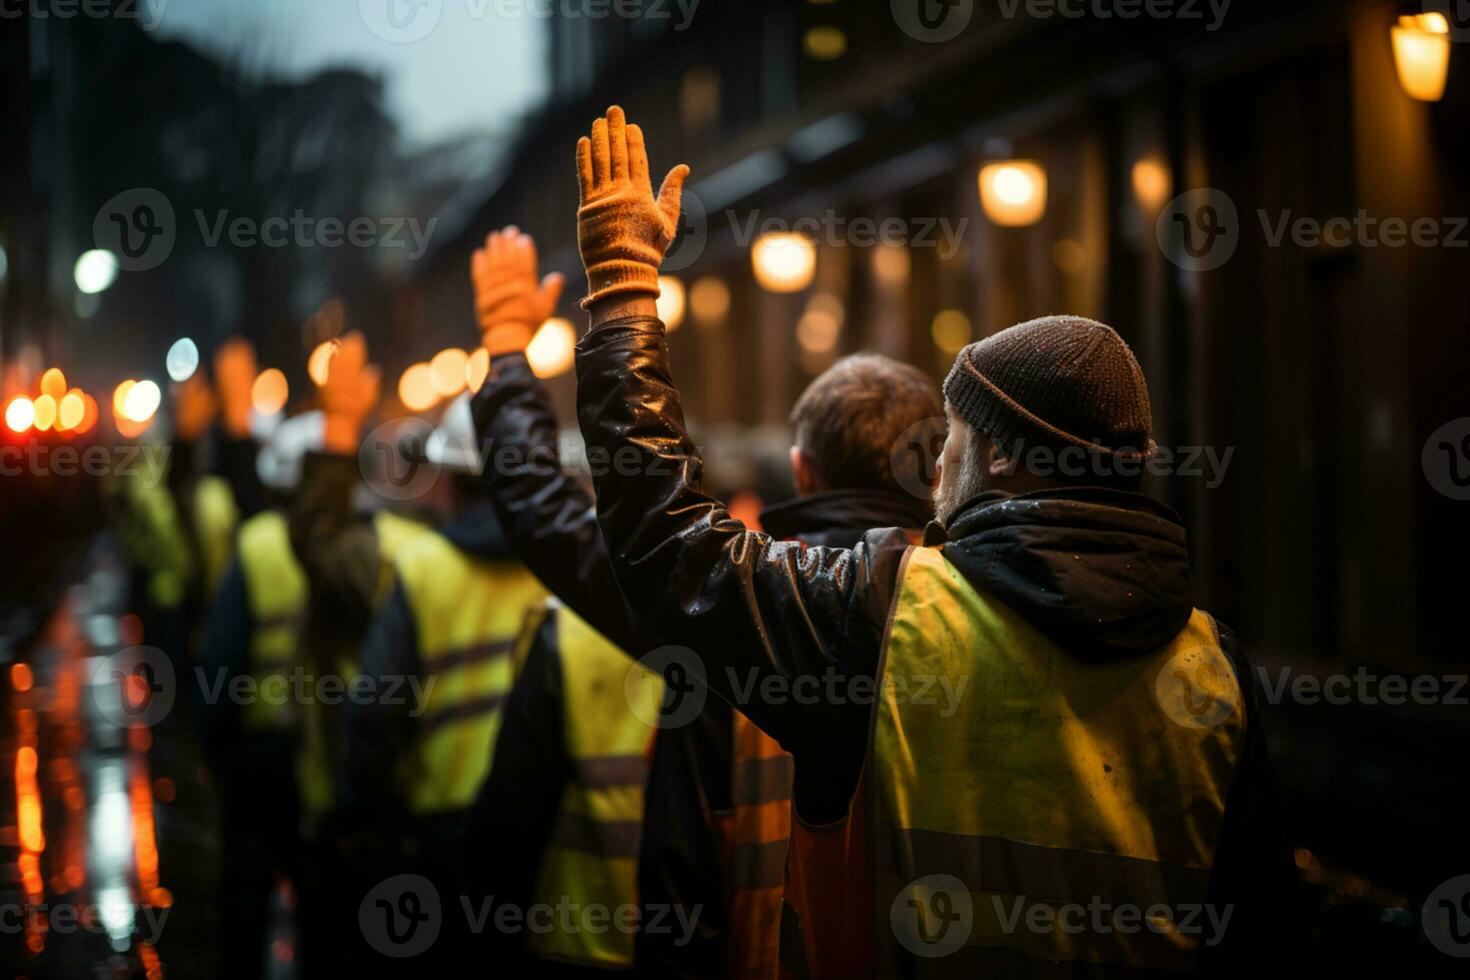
[{"x": 106, "y": 828}]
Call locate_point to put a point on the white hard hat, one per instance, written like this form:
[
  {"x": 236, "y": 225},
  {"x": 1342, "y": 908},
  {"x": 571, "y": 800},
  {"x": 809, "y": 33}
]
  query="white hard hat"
[
  {"x": 453, "y": 445},
  {"x": 279, "y": 462}
]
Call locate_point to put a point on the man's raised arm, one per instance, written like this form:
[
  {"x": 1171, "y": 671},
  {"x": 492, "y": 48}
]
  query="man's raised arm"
[{"x": 751, "y": 607}]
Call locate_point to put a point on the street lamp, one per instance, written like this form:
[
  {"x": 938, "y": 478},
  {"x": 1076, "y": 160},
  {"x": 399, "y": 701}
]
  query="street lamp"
[
  {"x": 1013, "y": 192},
  {"x": 95, "y": 270},
  {"x": 1421, "y": 54}
]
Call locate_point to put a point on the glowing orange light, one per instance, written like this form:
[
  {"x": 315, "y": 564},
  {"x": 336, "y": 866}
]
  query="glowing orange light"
[
  {"x": 447, "y": 371},
  {"x": 269, "y": 392},
  {"x": 1421, "y": 55},
  {"x": 477, "y": 369},
  {"x": 45, "y": 408},
  {"x": 319, "y": 361},
  {"x": 53, "y": 383},
  {"x": 784, "y": 262},
  {"x": 71, "y": 410},
  {"x": 120, "y": 398},
  {"x": 145, "y": 843},
  {"x": 416, "y": 388},
  {"x": 28, "y": 802},
  {"x": 1151, "y": 183},
  {"x": 90, "y": 413},
  {"x": 1013, "y": 192},
  {"x": 20, "y": 677},
  {"x": 554, "y": 348},
  {"x": 670, "y": 302},
  {"x": 20, "y": 414}
]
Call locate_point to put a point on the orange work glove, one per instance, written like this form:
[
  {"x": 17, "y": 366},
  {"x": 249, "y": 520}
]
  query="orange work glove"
[
  {"x": 622, "y": 230},
  {"x": 195, "y": 406},
  {"x": 234, "y": 375},
  {"x": 509, "y": 302},
  {"x": 349, "y": 395}
]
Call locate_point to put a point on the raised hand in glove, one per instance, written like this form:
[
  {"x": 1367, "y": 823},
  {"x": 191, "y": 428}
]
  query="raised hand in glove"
[
  {"x": 234, "y": 374},
  {"x": 349, "y": 395},
  {"x": 623, "y": 231},
  {"x": 509, "y": 302}
]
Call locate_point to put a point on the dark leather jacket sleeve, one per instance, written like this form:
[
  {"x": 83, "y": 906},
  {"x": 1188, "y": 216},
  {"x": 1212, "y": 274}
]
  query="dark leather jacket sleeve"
[
  {"x": 549, "y": 517},
  {"x": 755, "y": 610}
]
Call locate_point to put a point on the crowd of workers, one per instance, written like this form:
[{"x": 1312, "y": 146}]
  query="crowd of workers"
[{"x": 585, "y": 698}]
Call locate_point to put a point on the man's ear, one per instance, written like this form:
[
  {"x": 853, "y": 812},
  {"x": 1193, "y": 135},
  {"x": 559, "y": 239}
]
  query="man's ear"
[
  {"x": 801, "y": 473},
  {"x": 998, "y": 465}
]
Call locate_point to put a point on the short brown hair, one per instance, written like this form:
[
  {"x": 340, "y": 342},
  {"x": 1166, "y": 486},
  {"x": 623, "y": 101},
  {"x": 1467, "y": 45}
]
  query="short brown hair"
[{"x": 851, "y": 417}]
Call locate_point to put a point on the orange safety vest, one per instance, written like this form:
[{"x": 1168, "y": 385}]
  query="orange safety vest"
[{"x": 760, "y": 830}]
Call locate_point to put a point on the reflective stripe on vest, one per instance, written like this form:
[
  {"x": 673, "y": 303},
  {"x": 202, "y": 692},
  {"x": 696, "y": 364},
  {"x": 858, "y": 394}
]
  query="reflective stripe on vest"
[
  {"x": 760, "y": 830},
  {"x": 216, "y": 516},
  {"x": 467, "y": 614},
  {"x": 275, "y": 588},
  {"x": 591, "y": 861},
  {"x": 320, "y": 748},
  {"x": 1048, "y": 786}
]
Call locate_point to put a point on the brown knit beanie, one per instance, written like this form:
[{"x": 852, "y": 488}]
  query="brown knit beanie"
[{"x": 1057, "y": 381}]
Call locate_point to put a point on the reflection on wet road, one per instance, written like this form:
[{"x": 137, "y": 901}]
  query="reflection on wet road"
[{"x": 86, "y": 890}]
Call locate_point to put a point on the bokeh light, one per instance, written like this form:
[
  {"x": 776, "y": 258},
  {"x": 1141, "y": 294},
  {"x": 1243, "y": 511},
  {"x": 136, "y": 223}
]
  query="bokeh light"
[
  {"x": 182, "y": 360},
  {"x": 45, "y": 413},
  {"x": 784, "y": 262},
  {"x": 1013, "y": 192},
  {"x": 709, "y": 300},
  {"x": 671, "y": 302},
  {"x": 446, "y": 371},
  {"x": 269, "y": 393},
  {"x": 20, "y": 414},
  {"x": 95, "y": 270},
  {"x": 142, "y": 401},
  {"x": 416, "y": 388},
  {"x": 554, "y": 348},
  {"x": 477, "y": 369},
  {"x": 320, "y": 362}
]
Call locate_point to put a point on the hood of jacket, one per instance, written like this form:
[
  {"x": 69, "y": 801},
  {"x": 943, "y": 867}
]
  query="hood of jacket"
[
  {"x": 1105, "y": 574},
  {"x": 839, "y": 518}
]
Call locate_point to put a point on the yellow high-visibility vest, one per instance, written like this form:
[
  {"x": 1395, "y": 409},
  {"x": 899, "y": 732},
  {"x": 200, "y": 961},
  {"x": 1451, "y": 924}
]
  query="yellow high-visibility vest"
[
  {"x": 468, "y": 613},
  {"x": 275, "y": 589},
  {"x": 316, "y": 775},
  {"x": 591, "y": 861},
  {"x": 1048, "y": 781},
  {"x": 216, "y": 517}
]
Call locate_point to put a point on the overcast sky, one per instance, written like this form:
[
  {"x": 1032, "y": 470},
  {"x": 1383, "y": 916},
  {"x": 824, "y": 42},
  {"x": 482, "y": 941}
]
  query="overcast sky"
[{"x": 451, "y": 65}]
